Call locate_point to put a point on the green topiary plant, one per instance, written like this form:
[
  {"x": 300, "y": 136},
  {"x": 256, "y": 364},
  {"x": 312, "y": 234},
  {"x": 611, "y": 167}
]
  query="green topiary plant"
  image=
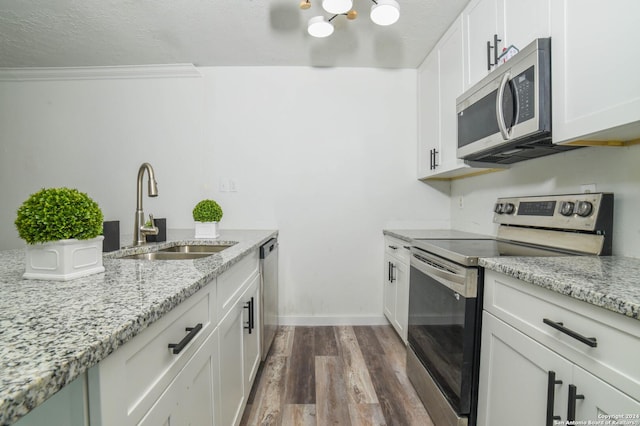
[
  {"x": 58, "y": 214},
  {"x": 207, "y": 211}
]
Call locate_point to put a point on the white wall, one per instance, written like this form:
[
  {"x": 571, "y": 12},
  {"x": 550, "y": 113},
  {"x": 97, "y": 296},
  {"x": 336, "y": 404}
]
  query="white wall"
[
  {"x": 611, "y": 169},
  {"x": 327, "y": 156}
]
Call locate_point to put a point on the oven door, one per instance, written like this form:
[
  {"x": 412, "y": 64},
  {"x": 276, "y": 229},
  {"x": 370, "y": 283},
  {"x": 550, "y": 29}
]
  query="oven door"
[{"x": 443, "y": 326}]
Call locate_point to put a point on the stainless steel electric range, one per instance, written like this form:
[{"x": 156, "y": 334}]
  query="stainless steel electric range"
[{"x": 446, "y": 285}]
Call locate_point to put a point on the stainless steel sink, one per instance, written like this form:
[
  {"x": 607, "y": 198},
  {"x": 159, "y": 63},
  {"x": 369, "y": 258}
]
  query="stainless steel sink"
[
  {"x": 194, "y": 249},
  {"x": 162, "y": 255},
  {"x": 181, "y": 252}
]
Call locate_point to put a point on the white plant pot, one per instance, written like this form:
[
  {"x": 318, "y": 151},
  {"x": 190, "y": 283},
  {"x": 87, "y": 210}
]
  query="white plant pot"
[
  {"x": 207, "y": 230},
  {"x": 64, "y": 260}
]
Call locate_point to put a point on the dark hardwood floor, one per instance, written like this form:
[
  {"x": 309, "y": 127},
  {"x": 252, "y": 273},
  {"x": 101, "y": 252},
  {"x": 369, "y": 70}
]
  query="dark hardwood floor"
[{"x": 335, "y": 376}]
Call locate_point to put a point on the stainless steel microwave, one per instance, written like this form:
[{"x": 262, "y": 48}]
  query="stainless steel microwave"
[{"x": 506, "y": 117}]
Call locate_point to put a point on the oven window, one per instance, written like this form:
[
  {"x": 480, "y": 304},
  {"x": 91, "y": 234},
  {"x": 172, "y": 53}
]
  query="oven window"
[{"x": 442, "y": 335}]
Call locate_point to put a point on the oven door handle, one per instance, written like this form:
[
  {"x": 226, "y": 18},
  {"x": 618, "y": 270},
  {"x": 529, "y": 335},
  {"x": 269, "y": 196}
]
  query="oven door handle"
[{"x": 433, "y": 269}]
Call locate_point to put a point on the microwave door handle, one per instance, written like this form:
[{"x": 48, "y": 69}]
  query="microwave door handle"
[{"x": 499, "y": 112}]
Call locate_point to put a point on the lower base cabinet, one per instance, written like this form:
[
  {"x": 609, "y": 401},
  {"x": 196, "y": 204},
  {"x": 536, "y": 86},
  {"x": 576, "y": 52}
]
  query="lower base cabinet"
[
  {"x": 522, "y": 382},
  {"x": 194, "y": 366},
  {"x": 533, "y": 374}
]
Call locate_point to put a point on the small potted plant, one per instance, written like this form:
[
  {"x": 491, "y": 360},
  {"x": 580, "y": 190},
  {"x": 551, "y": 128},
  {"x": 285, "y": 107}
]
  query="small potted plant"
[
  {"x": 207, "y": 214},
  {"x": 63, "y": 231}
]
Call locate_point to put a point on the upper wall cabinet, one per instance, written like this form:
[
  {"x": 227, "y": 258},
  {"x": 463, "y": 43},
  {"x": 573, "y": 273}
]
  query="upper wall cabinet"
[
  {"x": 439, "y": 84},
  {"x": 491, "y": 26},
  {"x": 595, "y": 71}
]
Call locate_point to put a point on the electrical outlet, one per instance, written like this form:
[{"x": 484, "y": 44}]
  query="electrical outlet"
[
  {"x": 588, "y": 187},
  {"x": 460, "y": 202},
  {"x": 224, "y": 185},
  {"x": 232, "y": 185}
]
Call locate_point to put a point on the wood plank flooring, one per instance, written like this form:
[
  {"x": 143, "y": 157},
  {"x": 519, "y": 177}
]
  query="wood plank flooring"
[{"x": 343, "y": 375}]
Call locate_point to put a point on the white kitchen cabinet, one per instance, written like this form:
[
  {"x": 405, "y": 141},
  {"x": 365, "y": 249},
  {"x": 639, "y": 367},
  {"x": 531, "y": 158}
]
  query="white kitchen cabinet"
[
  {"x": 428, "y": 115},
  {"x": 396, "y": 285},
  {"x": 239, "y": 355},
  {"x": 125, "y": 385},
  {"x": 231, "y": 384},
  {"x": 188, "y": 400},
  {"x": 596, "y": 88},
  {"x": 514, "y": 22},
  {"x": 519, "y": 352},
  {"x": 251, "y": 338},
  {"x": 145, "y": 382},
  {"x": 440, "y": 82},
  {"x": 515, "y": 368}
]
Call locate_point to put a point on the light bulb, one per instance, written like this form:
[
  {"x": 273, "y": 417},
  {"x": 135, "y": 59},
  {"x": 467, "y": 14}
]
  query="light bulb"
[
  {"x": 385, "y": 12},
  {"x": 337, "y": 7},
  {"x": 319, "y": 27}
]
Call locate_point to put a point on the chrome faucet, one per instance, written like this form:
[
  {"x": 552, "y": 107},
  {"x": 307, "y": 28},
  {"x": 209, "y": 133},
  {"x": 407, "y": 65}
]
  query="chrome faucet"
[{"x": 140, "y": 230}]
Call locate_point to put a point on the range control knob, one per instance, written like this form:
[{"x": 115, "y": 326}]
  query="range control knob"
[
  {"x": 499, "y": 208},
  {"x": 584, "y": 208},
  {"x": 509, "y": 208},
  {"x": 566, "y": 208}
]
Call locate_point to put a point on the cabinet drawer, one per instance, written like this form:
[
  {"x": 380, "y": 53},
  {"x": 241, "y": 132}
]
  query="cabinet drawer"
[
  {"x": 398, "y": 249},
  {"x": 232, "y": 282},
  {"x": 131, "y": 379},
  {"x": 525, "y": 306}
]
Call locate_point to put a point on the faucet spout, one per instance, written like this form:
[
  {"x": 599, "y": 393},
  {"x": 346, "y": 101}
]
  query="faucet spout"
[{"x": 140, "y": 231}]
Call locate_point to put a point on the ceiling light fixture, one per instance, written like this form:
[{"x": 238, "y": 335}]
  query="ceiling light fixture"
[
  {"x": 383, "y": 12},
  {"x": 320, "y": 27},
  {"x": 337, "y": 7}
]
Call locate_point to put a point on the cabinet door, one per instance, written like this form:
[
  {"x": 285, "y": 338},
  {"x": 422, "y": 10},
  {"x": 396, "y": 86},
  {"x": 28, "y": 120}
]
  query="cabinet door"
[
  {"x": 480, "y": 24},
  {"x": 231, "y": 367},
  {"x": 524, "y": 21},
  {"x": 188, "y": 400},
  {"x": 595, "y": 70},
  {"x": 401, "y": 318},
  {"x": 514, "y": 378},
  {"x": 251, "y": 338},
  {"x": 428, "y": 114},
  {"x": 451, "y": 54},
  {"x": 601, "y": 399}
]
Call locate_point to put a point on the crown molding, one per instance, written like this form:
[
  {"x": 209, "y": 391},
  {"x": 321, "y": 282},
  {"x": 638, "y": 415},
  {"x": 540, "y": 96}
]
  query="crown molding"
[{"x": 100, "y": 73}]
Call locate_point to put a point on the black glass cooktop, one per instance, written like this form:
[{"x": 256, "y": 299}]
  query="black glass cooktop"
[{"x": 467, "y": 252}]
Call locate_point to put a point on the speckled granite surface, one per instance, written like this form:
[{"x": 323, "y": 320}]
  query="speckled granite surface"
[
  {"x": 611, "y": 282},
  {"x": 52, "y": 332}
]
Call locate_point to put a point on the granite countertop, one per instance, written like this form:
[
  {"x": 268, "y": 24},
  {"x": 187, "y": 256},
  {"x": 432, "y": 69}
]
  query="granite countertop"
[
  {"x": 610, "y": 282},
  {"x": 433, "y": 234},
  {"x": 53, "y": 331}
]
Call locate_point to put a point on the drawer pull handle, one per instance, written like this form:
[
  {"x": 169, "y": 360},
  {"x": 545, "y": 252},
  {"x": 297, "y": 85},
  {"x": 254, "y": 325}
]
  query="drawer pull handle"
[
  {"x": 393, "y": 247},
  {"x": 551, "y": 394},
  {"x": 178, "y": 347},
  {"x": 589, "y": 341}
]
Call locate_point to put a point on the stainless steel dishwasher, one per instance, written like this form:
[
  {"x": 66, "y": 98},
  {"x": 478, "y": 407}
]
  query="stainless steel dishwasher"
[{"x": 269, "y": 293}]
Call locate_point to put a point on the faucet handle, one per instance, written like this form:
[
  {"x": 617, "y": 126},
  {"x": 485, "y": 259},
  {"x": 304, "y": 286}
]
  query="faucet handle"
[{"x": 151, "y": 220}]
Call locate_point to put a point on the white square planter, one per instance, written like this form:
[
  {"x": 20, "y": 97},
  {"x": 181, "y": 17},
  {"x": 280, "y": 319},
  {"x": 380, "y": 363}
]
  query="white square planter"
[
  {"x": 64, "y": 260},
  {"x": 207, "y": 230}
]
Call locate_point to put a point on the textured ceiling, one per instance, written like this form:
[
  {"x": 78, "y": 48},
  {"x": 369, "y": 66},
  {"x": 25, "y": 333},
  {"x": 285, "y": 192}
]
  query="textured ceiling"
[{"x": 68, "y": 33}]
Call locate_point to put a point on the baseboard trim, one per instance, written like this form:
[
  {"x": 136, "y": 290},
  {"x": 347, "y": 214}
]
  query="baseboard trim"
[{"x": 313, "y": 320}]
